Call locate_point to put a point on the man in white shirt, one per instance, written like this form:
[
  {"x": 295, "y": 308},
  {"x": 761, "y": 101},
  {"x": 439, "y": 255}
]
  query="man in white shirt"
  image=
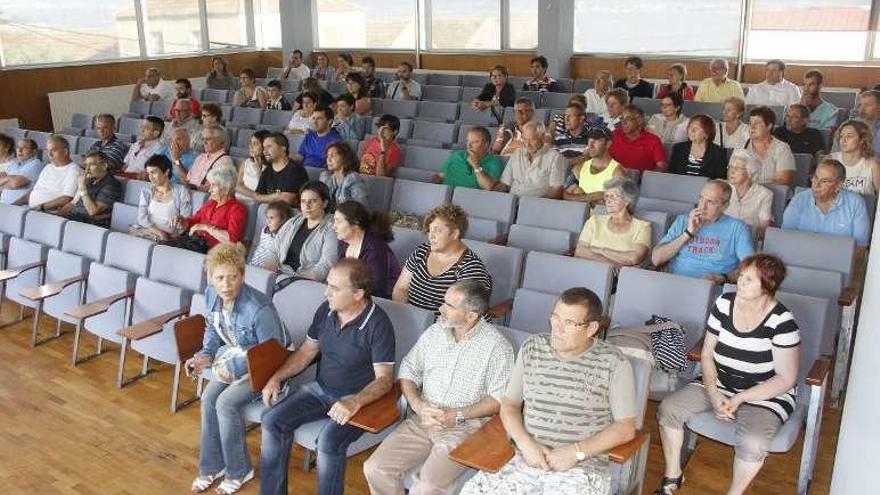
[
  {"x": 535, "y": 170},
  {"x": 147, "y": 145},
  {"x": 404, "y": 88},
  {"x": 775, "y": 90},
  {"x": 21, "y": 173},
  {"x": 57, "y": 182},
  {"x": 153, "y": 88},
  {"x": 296, "y": 69}
]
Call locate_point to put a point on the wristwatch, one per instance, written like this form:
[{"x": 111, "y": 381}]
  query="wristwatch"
[
  {"x": 579, "y": 454},
  {"x": 478, "y": 170},
  {"x": 459, "y": 418}
]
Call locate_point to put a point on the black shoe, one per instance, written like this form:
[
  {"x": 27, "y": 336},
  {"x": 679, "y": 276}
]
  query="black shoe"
[{"x": 669, "y": 485}]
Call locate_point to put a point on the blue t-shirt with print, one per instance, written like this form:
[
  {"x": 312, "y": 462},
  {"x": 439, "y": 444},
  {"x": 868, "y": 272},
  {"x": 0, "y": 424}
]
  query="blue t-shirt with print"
[
  {"x": 717, "y": 248},
  {"x": 314, "y": 148}
]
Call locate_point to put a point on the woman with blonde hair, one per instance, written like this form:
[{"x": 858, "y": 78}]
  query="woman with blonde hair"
[{"x": 856, "y": 143}]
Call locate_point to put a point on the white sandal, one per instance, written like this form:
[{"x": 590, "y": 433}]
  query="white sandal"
[
  {"x": 202, "y": 483},
  {"x": 228, "y": 487}
]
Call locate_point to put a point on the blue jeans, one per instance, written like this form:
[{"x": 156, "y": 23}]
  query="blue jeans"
[
  {"x": 279, "y": 423},
  {"x": 223, "y": 436}
]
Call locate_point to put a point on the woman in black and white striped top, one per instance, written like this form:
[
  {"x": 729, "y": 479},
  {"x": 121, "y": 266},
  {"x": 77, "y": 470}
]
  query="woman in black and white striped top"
[
  {"x": 750, "y": 361},
  {"x": 440, "y": 262}
]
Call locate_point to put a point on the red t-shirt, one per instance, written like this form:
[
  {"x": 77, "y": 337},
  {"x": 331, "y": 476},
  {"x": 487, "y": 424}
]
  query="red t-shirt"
[
  {"x": 642, "y": 153},
  {"x": 193, "y": 104},
  {"x": 231, "y": 216},
  {"x": 371, "y": 153}
]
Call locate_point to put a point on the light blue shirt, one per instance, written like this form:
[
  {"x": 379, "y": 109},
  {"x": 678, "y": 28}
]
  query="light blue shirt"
[
  {"x": 30, "y": 169},
  {"x": 824, "y": 116},
  {"x": 717, "y": 248},
  {"x": 847, "y": 216},
  {"x": 186, "y": 160}
]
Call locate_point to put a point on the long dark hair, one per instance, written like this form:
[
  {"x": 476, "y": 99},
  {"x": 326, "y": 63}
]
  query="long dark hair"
[{"x": 357, "y": 214}]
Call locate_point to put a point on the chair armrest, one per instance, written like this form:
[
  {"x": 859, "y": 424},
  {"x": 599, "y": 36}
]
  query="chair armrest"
[
  {"x": 151, "y": 326},
  {"x": 189, "y": 333},
  {"x": 95, "y": 308},
  {"x": 379, "y": 414},
  {"x": 264, "y": 359},
  {"x": 501, "y": 309},
  {"x": 818, "y": 372},
  {"x": 501, "y": 240},
  {"x": 11, "y": 273},
  {"x": 623, "y": 452},
  {"x": 50, "y": 289},
  {"x": 847, "y": 296},
  {"x": 488, "y": 449},
  {"x": 696, "y": 352}
]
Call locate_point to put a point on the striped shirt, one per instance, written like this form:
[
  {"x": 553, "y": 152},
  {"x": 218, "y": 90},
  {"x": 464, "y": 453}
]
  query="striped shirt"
[
  {"x": 427, "y": 291},
  {"x": 745, "y": 359}
]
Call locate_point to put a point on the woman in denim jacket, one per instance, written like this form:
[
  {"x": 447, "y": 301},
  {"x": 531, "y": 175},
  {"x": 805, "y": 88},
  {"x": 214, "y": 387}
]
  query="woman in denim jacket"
[{"x": 238, "y": 318}]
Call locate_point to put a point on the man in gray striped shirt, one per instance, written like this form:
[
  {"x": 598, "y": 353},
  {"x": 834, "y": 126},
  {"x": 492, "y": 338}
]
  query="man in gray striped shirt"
[{"x": 453, "y": 379}]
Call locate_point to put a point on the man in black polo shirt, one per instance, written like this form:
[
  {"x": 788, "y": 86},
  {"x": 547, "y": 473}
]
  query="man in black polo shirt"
[
  {"x": 633, "y": 82},
  {"x": 800, "y": 138},
  {"x": 356, "y": 341},
  {"x": 282, "y": 179},
  {"x": 96, "y": 192}
]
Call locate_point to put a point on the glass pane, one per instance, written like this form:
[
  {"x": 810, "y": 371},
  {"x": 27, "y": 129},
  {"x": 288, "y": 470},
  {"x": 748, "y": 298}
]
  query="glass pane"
[
  {"x": 366, "y": 24},
  {"x": 172, "y": 26},
  {"x": 708, "y": 28},
  {"x": 227, "y": 24},
  {"x": 267, "y": 23},
  {"x": 809, "y": 29},
  {"x": 523, "y": 24},
  {"x": 466, "y": 25},
  {"x": 48, "y": 31}
]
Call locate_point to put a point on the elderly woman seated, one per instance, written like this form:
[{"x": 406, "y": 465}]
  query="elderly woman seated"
[
  {"x": 750, "y": 361},
  {"x": 161, "y": 203},
  {"x": 220, "y": 220},
  {"x": 617, "y": 237},
  {"x": 750, "y": 202},
  {"x": 223, "y": 451}
]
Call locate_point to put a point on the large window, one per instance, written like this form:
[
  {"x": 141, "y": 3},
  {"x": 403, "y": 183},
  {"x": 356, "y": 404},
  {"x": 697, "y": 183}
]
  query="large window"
[
  {"x": 172, "y": 26},
  {"x": 523, "y": 24},
  {"x": 377, "y": 24},
  {"x": 227, "y": 24},
  {"x": 708, "y": 28},
  {"x": 465, "y": 24},
  {"x": 51, "y": 31},
  {"x": 267, "y": 23}
]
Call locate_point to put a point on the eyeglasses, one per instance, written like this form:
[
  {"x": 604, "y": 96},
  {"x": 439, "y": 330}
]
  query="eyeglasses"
[{"x": 567, "y": 323}]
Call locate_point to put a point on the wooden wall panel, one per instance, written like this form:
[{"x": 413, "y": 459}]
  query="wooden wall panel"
[
  {"x": 835, "y": 76},
  {"x": 383, "y": 59},
  {"x": 586, "y": 67},
  {"x": 517, "y": 63}
]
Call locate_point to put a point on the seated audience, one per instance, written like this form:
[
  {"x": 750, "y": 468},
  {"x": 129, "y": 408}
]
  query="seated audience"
[
  {"x": 616, "y": 237},
  {"x": 540, "y": 81},
  {"x": 586, "y": 181},
  {"x": 633, "y": 83},
  {"x": 313, "y": 149},
  {"x": 366, "y": 236},
  {"x": 113, "y": 148},
  {"x": 381, "y": 154},
  {"x": 341, "y": 176},
  {"x": 732, "y": 131},
  {"x": 452, "y": 350},
  {"x": 344, "y": 63},
  {"x": 275, "y": 97},
  {"x": 282, "y": 178},
  {"x": 355, "y": 339},
  {"x": 223, "y": 450},
  {"x": 323, "y": 71},
  {"x": 774, "y": 90},
  {"x": 823, "y": 114},
  {"x": 535, "y": 170},
  {"x": 214, "y": 156},
  {"x": 749, "y": 369},
  {"x": 561, "y": 443},
  {"x": 777, "y": 162},
  {"x": 677, "y": 74},
  {"x": 855, "y": 142},
  {"x": 496, "y": 94},
  {"x": 178, "y": 151},
  {"x": 596, "y": 95},
  {"x": 509, "y": 138},
  {"x": 152, "y": 87},
  {"x": 347, "y": 122},
  {"x": 161, "y": 204},
  {"x": 699, "y": 155},
  {"x": 251, "y": 169},
  {"x": 795, "y": 133},
  {"x": 475, "y": 167},
  {"x": 752, "y": 203},
  {"x": 718, "y": 87},
  {"x": 96, "y": 191},
  {"x": 440, "y": 262},
  {"x": 147, "y": 145},
  {"x": 182, "y": 118},
  {"x": 706, "y": 243},
  {"x": 250, "y": 95},
  {"x": 828, "y": 208},
  {"x": 21, "y": 173},
  {"x": 219, "y": 77},
  {"x": 375, "y": 87},
  {"x": 869, "y": 113},
  {"x": 221, "y": 219},
  {"x": 183, "y": 91},
  {"x": 57, "y": 183},
  {"x": 669, "y": 125},
  {"x": 633, "y": 146},
  {"x": 615, "y": 102},
  {"x": 302, "y": 121},
  {"x": 404, "y": 87},
  {"x": 323, "y": 98},
  {"x": 295, "y": 68},
  {"x": 571, "y": 139},
  {"x": 277, "y": 213},
  {"x": 357, "y": 89}
]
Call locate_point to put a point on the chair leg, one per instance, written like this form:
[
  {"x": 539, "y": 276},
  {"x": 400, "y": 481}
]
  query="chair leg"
[
  {"x": 811, "y": 438},
  {"x": 58, "y": 333},
  {"x": 841, "y": 360},
  {"x": 175, "y": 391},
  {"x": 145, "y": 367},
  {"x": 77, "y": 337}
]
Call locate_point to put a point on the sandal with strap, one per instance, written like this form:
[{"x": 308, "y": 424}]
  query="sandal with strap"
[
  {"x": 203, "y": 482},
  {"x": 669, "y": 485},
  {"x": 228, "y": 487}
]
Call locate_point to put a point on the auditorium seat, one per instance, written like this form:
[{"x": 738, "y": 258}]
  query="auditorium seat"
[
  {"x": 160, "y": 108},
  {"x": 214, "y": 95},
  {"x": 672, "y": 208},
  {"x": 803, "y": 164},
  {"x": 555, "y": 100},
  {"x": 582, "y": 85},
  {"x": 245, "y": 117},
  {"x": 444, "y": 79},
  {"x": 277, "y": 117},
  {"x": 491, "y": 205},
  {"x": 683, "y": 188},
  {"x": 426, "y": 133},
  {"x": 380, "y": 189},
  {"x": 418, "y": 198},
  {"x": 437, "y": 111},
  {"x": 138, "y": 109},
  {"x": 554, "y": 214},
  {"x": 504, "y": 263},
  {"x": 467, "y": 115},
  {"x": 123, "y": 216},
  {"x": 474, "y": 80},
  {"x": 11, "y": 225},
  {"x": 447, "y": 94},
  {"x": 531, "y": 238},
  {"x": 553, "y": 274},
  {"x": 128, "y": 125},
  {"x": 648, "y": 105},
  {"x": 405, "y": 242}
]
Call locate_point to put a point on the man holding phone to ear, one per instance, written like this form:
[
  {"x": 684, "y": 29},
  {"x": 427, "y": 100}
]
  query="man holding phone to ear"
[{"x": 96, "y": 192}]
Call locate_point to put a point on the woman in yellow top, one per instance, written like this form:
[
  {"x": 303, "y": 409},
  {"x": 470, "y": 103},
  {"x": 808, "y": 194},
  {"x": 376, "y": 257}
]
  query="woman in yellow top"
[
  {"x": 586, "y": 180},
  {"x": 617, "y": 238}
]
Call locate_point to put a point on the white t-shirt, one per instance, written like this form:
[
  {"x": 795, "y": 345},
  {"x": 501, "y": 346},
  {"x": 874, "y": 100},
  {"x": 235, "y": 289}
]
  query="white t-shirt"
[
  {"x": 595, "y": 103},
  {"x": 54, "y": 181},
  {"x": 165, "y": 90},
  {"x": 395, "y": 90},
  {"x": 783, "y": 93},
  {"x": 300, "y": 72},
  {"x": 859, "y": 176}
]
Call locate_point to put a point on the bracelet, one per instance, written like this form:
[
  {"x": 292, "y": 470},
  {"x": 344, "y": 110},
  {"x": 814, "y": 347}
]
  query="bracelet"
[{"x": 689, "y": 233}]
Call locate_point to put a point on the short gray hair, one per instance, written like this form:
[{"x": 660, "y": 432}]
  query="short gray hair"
[
  {"x": 224, "y": 177},
  {"x": 537, "y": 126},
  {"x": 217, "y": 131},
  {"x": 722, "y": 61},
  {"x": 627, "y": 189},
  {"x": 476, "y": 295},
  {"x": 725, "y": 187},
  {"x": 753, "y": 166},
  {"x": 839, "y": 168}
]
